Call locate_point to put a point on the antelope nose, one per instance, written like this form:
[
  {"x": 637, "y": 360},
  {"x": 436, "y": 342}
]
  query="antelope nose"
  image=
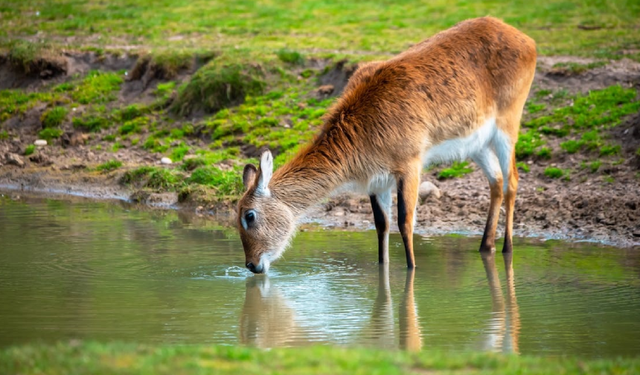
[{"x": 253, "y": 268}]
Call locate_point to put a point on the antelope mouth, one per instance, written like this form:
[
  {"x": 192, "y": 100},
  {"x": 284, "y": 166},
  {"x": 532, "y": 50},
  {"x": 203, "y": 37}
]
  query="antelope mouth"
[{"x": 262, "y": 266}]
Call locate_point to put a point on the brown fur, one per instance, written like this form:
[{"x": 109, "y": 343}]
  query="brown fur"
[{"x": 443, "y": 88}]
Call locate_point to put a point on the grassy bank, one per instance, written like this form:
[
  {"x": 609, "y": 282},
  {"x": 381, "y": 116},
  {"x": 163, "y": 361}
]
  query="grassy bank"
[
  {"x": 209, "y": 84},
  {"x": 98, "y": 358}
]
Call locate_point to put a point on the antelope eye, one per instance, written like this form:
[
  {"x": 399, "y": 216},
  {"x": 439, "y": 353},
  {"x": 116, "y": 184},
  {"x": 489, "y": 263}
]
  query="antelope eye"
[{"x": 250, "y": 217}]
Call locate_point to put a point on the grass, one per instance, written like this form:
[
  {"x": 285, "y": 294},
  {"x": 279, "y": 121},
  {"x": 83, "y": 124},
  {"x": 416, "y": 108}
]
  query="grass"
[
  {"x": 97, "y": 87},
  {"x": 582, "y": 122},
  {"x": 30, "y": 149},
  {"x": 326, "y": 25},
  {"x": 573, "y": 68},
  {"x": 555, "y": 173},
  {"x": 54, "y": 117},
  {"x": 92, "y": 357},
  {"x": 291, "y": 57},
  {"x": 109, "y": 166},
  {"x": 50, "y": 133},
  {"x": 458, "y": 169},
  {"x": 217, "y": 86}
]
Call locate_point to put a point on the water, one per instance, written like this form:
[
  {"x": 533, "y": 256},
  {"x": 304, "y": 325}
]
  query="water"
[{"x": 104, "y": 271}]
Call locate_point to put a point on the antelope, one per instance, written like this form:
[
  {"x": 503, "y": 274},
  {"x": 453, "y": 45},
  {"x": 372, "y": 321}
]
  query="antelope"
[{"x": 456, "y": 95}]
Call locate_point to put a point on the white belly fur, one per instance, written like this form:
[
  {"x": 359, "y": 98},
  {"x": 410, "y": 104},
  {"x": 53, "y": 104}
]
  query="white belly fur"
[
  {"x": 488, "y": 146},
  {"x": 463, "y": 148}
]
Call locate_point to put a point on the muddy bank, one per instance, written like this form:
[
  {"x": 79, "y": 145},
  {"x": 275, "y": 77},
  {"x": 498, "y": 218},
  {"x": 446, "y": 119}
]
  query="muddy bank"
[{"x": 590, "y": 211}]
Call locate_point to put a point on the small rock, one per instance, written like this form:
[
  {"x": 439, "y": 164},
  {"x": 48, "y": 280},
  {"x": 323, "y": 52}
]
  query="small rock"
[
  {"x": 14, "y": 159},
  {"x": 325, "y": 89},
  {"x": 428, "y": 189},
  {"x": 40, "y": 159},
  {"x": 74, "y": 139},
  {"x": 40, "y": 142},
  {"x": 165, "y": 160},
  {"x": 90, "y": 155}
]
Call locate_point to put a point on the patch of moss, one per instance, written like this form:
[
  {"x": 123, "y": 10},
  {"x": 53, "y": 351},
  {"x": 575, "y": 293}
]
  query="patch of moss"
[
  {"x": 111, "y": 165},
  {"x": 573, "y": 68},
  {"x": 224, "y": 182},
  {"x": 214, "y": 87},
  {"x": 97, "y": 87},
  {"x": 458, "y": 169},
  {"x": 133, "y": 126},
  {"x": 290, "y": 56},
  {"x": 30, "y": 149},
  {"x": 91, "y": 123},
  {"x": 178, "y": 153},
  {"x": 50, "y": 133},
  {"x": 53, "y": 117},
  {"x": 523, "y": 167},
  {"x": 553, "y": 172}
]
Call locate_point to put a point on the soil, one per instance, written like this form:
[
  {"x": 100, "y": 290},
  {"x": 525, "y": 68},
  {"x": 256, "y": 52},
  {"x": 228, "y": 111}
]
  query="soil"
[{"x": 602, "y": 207}]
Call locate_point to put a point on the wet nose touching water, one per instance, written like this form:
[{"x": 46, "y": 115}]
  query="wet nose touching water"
[{"x": 104, "y": 271}]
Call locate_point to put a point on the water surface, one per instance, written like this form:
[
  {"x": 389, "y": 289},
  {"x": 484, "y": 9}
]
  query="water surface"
[{"x": 104, "y": 271}]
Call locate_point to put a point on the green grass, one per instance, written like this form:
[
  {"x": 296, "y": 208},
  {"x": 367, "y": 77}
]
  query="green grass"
[
  {"x": 97, "y": 87},
  {"x": 54, "y": 117},
  {"x": 217, "y": 86},
  {"x": 573, "y": 68},
  {"x": 326, "y": 25},
  {"x": 91, "y": 123},
  {"x": 109, "y": 166},
  {"x": 225, "y": 183},
  {"x": 50, "y": 133},
  {"x": 156, "y": 178},
  {"x": 583, "y": 122},
  {"x": 523, "y": 167},
  {"x": 291, "y": 57},
  {"x": 99, "y": 358},
  {"x": 30, "y": 149},
  {"x": 555, "y": 173},
  {"x": 4, "y": 135},
  {"x": 458, "y": 169}
]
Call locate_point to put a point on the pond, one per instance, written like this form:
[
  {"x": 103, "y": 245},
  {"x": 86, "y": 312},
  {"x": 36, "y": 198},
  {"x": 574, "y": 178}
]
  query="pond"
[{"x": 110, "y": 271}]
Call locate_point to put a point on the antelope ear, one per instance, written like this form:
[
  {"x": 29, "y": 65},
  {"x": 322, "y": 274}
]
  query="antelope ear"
[
  {"x": 266, "y": 170},
  {"x": 249, "y": 175}
]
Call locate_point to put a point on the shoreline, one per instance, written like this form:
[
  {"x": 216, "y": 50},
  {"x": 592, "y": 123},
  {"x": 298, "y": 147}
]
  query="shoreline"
[{"x": 347, "y": 212}]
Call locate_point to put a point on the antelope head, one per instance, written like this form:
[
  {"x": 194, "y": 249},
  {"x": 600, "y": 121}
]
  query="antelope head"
[{"x": 265, "y": 222}]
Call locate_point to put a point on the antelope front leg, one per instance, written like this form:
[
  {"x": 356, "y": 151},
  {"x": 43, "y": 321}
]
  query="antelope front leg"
[
  {"x": 381, "y": 206},
  {"x": 408, "y": 184}
]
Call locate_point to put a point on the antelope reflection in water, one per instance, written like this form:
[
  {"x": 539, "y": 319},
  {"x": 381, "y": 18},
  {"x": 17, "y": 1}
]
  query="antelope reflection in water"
[
  {"x": 504, "y": 326},
  {"x": 381, "y": 329},
  {"x": 267, "y": 319}
]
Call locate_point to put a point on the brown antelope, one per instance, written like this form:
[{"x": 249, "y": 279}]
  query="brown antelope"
[{"x": 456, "y": 95}]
